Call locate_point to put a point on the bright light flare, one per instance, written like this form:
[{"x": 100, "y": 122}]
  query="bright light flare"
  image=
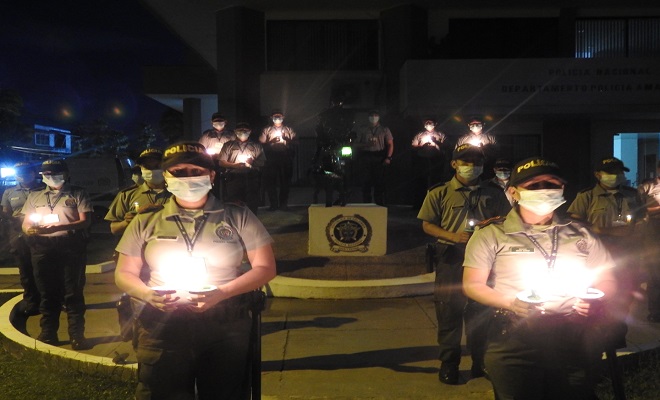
[
  {"x": 7, "y": 172},
  {"x": 242, "y": 158},
  {"x": 567, "y": 279},
  {"x": 35, "y": 218},
  {"x": 181, "y": 271}
]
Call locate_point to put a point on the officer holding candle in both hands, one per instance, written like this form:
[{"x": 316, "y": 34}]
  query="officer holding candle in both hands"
[
  {"x": 194, "y": 325},
  {"x": 547, "y": 279}
]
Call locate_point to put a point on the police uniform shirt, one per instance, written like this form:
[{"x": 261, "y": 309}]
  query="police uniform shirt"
[
  {"x": 476, "y": 140},
  {"x": 232, "y": 150},
  {"x": 125, "y": 201},
  {"x": 516, "y": 265},
  {"x": 271, "y": 132},
  {"x": 68, "y": 203},
  {"x": 375, "y": 138},
  {"x": 16, "y": 196},
  {"x": 601, "y": 207},
  {"x": 447, "y": 205},
  {"x": 213, "y": 143},
  {"x": 433, "y": 138},
  {"x": 220, "y": 242},
  {"x": 650, "y": 196}
]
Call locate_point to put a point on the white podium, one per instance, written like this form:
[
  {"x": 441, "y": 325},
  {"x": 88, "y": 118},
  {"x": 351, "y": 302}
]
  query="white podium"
[{"x": 353, "y": 230}]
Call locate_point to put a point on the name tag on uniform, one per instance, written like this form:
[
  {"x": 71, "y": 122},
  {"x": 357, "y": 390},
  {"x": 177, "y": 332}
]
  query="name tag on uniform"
[
  {"x": 50, "y": 219},
  {"x": 521, "y": 249}
]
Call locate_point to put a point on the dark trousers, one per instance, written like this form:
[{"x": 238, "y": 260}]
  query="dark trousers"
[
  {"x": 59, "y": 271},
  {"x": 545, "y": 358},
  {"x": 452, "y": 308},
  {"x": 21, "y": 251},
  {"x": 182, "y": 351},
  {"x": 374, "y": 176},
  {"x": 277, "y": 173},
  {"x": 243, "y": 188},
  {"x": 427, "y": 171}
]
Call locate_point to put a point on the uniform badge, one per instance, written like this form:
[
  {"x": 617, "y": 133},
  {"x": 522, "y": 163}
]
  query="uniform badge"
[
  {"x": 70, "y": 202},
  {"x": 582, "y": 246},
  {"x": 224, "y": 232}
]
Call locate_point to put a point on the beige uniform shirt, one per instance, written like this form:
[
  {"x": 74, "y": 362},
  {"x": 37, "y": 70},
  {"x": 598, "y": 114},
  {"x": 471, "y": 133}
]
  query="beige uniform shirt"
[
  {"x": 452, "y": 205},
  {"x": 67, "y": 203},
  {"x": 516, "y": 265},
  {"x": 605, "y": 209},
  {"x": 131, "y": 199}
]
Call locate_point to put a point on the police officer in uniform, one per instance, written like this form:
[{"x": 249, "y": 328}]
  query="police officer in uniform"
[
  {"x": 650, "y": 194},
  {"x": 13, "y": 200},
  {"x": 477, "y": 137},
  {"x": 502, "y": 171},
  {"x": 376, "y": 146},
  {"x": 194, "y": 325},
  {"x": 278, "y": 141},
  {"x": 449, "y": 214},
  {"x": 535, "y": 270},
  {"x": 149, "y": 196},
  {"x": 242, "y": 160},
  {"x": 428, "y": 158},
  {"x": 213, "y": 139},
  {"x": 56, "y": 220},
  {"x": 613, "y": 211}
]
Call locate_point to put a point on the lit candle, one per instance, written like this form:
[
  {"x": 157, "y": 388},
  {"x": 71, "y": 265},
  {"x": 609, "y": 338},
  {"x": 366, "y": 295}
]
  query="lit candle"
[
  {"x": 628, "y": 218},
  {"x": 35, "y": 219},
  {"x": 427, "y": 139},
  {"x": 242, "y": 158}
]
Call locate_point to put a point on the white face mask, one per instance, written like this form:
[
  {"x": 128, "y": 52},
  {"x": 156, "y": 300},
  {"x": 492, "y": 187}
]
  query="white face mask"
[
  {"x": 277, "y": 120},
  {"x": 374, "y": 119},
  {"x": 610, "y": 180},
  {"x": 243, "y": 136},
  {"x": 54, "y": 181},
  {"x": 153, "y": 176},
  {"x": 218, "y": 126},
  {"x": 476, "y": 128},
  {"x": 469, "y": 172},
  {"x": 192, "y": 188},
  {"x": 429, "y": 127},
  {"x": 542, "y": 201},
  {"x": 503, "y": 175}
]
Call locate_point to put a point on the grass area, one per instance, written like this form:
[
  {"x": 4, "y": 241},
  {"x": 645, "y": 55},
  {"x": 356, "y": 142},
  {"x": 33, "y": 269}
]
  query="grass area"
[{"x": 29, "y": 376}]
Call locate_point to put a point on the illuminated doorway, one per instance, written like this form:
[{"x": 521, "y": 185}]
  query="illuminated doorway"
[{"x": 640, "y": 153}]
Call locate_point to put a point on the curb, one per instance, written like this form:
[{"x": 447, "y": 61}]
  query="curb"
[
  {"x": 282, "y": 286},
  {"x": 79, "y": 361}
]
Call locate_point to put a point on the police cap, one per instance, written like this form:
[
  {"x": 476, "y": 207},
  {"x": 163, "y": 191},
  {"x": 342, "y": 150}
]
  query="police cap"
[
  {"x": 611, "y": 165},
  {"x": 54, "y": 166},
  {"x": 466, "y": 151},
  {"x": 532, "y": 167},
  {"x": 187, "y": 153}
]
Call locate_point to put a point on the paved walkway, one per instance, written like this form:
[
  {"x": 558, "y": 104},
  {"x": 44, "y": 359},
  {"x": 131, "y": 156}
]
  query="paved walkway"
[{"x": 378, "y": 348}]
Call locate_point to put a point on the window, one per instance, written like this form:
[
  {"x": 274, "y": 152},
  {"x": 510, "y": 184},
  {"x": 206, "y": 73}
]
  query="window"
[{"x": 617, "y": 37}]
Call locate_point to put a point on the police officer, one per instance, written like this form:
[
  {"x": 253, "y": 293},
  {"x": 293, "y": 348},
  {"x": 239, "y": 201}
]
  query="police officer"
[
  {"x": 502, "y": 171},
  {"x": 650, "y": 195},
  {"x": 278, "y": 141},
  {"x": 56, "y": 219},
  {"x": 613, "y": 211},
  {"x": 149, "y": 196},
  {"x": 376, "y": 146},
  {"x": 213, "y": 139},
  {"x": 242, "y": 160},
  {"x": 449, "y": 214},
  {"x": 535, "y": 270},
  {"x": 477, "y": 137},
  {"x": 187, "y": 343},
  {"x": 428, "y": 158},
  {"x": 13, "y": 200}
]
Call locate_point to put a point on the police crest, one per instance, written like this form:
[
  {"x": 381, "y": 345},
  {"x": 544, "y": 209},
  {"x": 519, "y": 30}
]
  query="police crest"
[
  {"x": 224, "y": 232},
  {"x": 348, "y": 233},
  {"x": 582, "y": 246}
]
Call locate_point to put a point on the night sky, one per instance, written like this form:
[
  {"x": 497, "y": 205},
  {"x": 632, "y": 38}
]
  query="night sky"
[{"x": 77, "y": 61}]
